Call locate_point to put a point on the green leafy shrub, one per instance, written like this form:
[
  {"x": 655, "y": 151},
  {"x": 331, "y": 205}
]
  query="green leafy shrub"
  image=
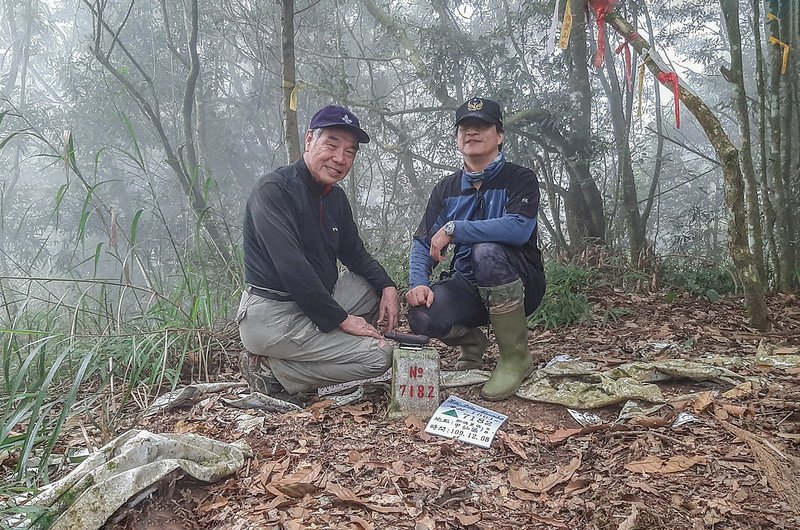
[
  {"x": 698, "y": 280},
  {"x": 563, "y": 302},
  {"x": 616, "y": 272},
  {"x": 569, "y": 276}
]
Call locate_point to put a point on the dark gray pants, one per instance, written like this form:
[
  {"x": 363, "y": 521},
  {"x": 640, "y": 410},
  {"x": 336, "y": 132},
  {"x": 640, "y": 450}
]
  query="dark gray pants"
[{"x": 456, "y": 300}]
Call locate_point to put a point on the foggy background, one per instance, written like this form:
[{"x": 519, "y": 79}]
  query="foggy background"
[{"x": 103, "y": 177}]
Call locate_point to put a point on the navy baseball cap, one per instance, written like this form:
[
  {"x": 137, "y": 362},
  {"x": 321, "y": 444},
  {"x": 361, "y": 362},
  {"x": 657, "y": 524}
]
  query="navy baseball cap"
[
  {"x": 481, "y": 108},
  {"x": 333, "y": 116}
]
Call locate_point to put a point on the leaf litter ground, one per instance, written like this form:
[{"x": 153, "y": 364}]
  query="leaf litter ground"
[{"x": 736, "y": 466}]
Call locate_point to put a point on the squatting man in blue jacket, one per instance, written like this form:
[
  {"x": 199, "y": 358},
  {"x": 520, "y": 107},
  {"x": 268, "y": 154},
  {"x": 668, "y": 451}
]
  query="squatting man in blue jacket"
[
  {"x": 487, "y": 213},
  {"x": 298, "y": 317}
]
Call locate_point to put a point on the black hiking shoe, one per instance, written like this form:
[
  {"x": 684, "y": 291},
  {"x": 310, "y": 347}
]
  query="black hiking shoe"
[{"x": 258, "y": 375}]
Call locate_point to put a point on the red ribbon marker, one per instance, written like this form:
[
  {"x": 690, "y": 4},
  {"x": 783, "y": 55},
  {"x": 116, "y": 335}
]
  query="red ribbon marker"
[
  {"x": 628, "y": 74},
  {"x": 671, "y": 77},
  {"x": 628, "y": 68},
  {"x": 601, "y": 9}
]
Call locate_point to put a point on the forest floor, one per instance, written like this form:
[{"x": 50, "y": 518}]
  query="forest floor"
[{"x": 737, "y": 465}]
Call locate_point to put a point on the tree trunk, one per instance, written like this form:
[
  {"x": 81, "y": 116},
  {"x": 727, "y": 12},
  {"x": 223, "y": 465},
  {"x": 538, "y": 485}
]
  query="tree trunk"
[
  {"x": 789, "y": 26},
  {"x": 554, "y": 228},
  {"x": 766, "y": 189},
  {"x": 621, "y": 130},
  {"x": 658, "y": 162},
  {"x": 777, "y": 106},
  {"x": 730, "y": 12},
  {"x": 586, "y": 221},
  {"x": 290, "y": 129},
  {"x": 732, "y": 174}
]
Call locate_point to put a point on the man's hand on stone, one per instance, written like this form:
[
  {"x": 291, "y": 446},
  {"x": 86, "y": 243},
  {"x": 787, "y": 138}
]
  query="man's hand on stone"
[
  {"x": 420, "y": 295},
  {"x": 390, "y": 309},
  {"x": 358, "y": 326}
]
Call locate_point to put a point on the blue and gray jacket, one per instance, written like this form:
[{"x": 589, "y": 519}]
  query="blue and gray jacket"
[{"x": 503, "y": 210}]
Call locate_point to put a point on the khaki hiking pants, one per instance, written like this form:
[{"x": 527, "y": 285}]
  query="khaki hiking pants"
[{"x": 300, "y": 355}]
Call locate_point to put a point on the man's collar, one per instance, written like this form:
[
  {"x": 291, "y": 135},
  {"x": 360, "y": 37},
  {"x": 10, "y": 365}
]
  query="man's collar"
[
  {"x": 466, "y": 185},
  {"x": 316, "y": 188}
]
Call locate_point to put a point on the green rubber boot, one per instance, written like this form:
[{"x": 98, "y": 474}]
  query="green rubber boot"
[
  {"x": 507, "y": 314},
  {"x": 473, "y": 343}
]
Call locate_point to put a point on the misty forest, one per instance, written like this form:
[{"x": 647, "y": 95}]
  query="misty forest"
[{"x": 666, "y": 139}]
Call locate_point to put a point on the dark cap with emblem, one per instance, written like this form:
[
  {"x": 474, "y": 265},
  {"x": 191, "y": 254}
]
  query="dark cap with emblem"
[
  {"x": 482, "y": 109},
  {"x": 333, "y": 116}
]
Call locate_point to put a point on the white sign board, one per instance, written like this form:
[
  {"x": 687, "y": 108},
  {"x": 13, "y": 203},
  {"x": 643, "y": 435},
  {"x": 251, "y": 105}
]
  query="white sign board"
[{"x": 466, "y": 422}]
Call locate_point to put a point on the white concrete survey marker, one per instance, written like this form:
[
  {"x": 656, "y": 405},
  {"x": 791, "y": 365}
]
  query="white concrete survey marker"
[
  {"x": 415, "y": 382},
  {"x": 466, "y": 422}
]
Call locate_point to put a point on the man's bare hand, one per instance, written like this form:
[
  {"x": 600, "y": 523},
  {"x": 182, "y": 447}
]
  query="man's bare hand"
[
  {"x": 358, "y": 326},
  {"x": 420, "y": 295},
  {"x": 390, "y": 309},
  {"x": 439, "y": 242}
]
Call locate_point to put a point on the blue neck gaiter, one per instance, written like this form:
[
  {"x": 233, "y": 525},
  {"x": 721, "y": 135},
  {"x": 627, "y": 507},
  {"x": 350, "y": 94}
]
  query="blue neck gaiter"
[{"x": 495, "y": 167}]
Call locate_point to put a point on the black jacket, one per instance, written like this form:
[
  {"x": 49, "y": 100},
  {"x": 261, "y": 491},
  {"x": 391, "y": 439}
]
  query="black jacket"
[{"x": 294, "y": 231}]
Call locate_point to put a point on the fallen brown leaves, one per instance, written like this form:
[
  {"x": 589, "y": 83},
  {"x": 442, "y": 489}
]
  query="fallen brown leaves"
[
  {"x": 654, "y": 464},
  {"x": 735, "y": 466},
  {"x": 519, "y": 479}
]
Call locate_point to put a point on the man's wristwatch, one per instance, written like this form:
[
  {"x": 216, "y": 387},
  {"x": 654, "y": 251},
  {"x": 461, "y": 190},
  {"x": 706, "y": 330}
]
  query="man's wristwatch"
[{"x": 450, "y": 228}]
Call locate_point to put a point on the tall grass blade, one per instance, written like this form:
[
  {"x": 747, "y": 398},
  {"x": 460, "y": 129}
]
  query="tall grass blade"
[
  {"x": 138, "y": 159},
  {"x": 39, "y": 412},
  {"x": 135, "y": 227}
]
